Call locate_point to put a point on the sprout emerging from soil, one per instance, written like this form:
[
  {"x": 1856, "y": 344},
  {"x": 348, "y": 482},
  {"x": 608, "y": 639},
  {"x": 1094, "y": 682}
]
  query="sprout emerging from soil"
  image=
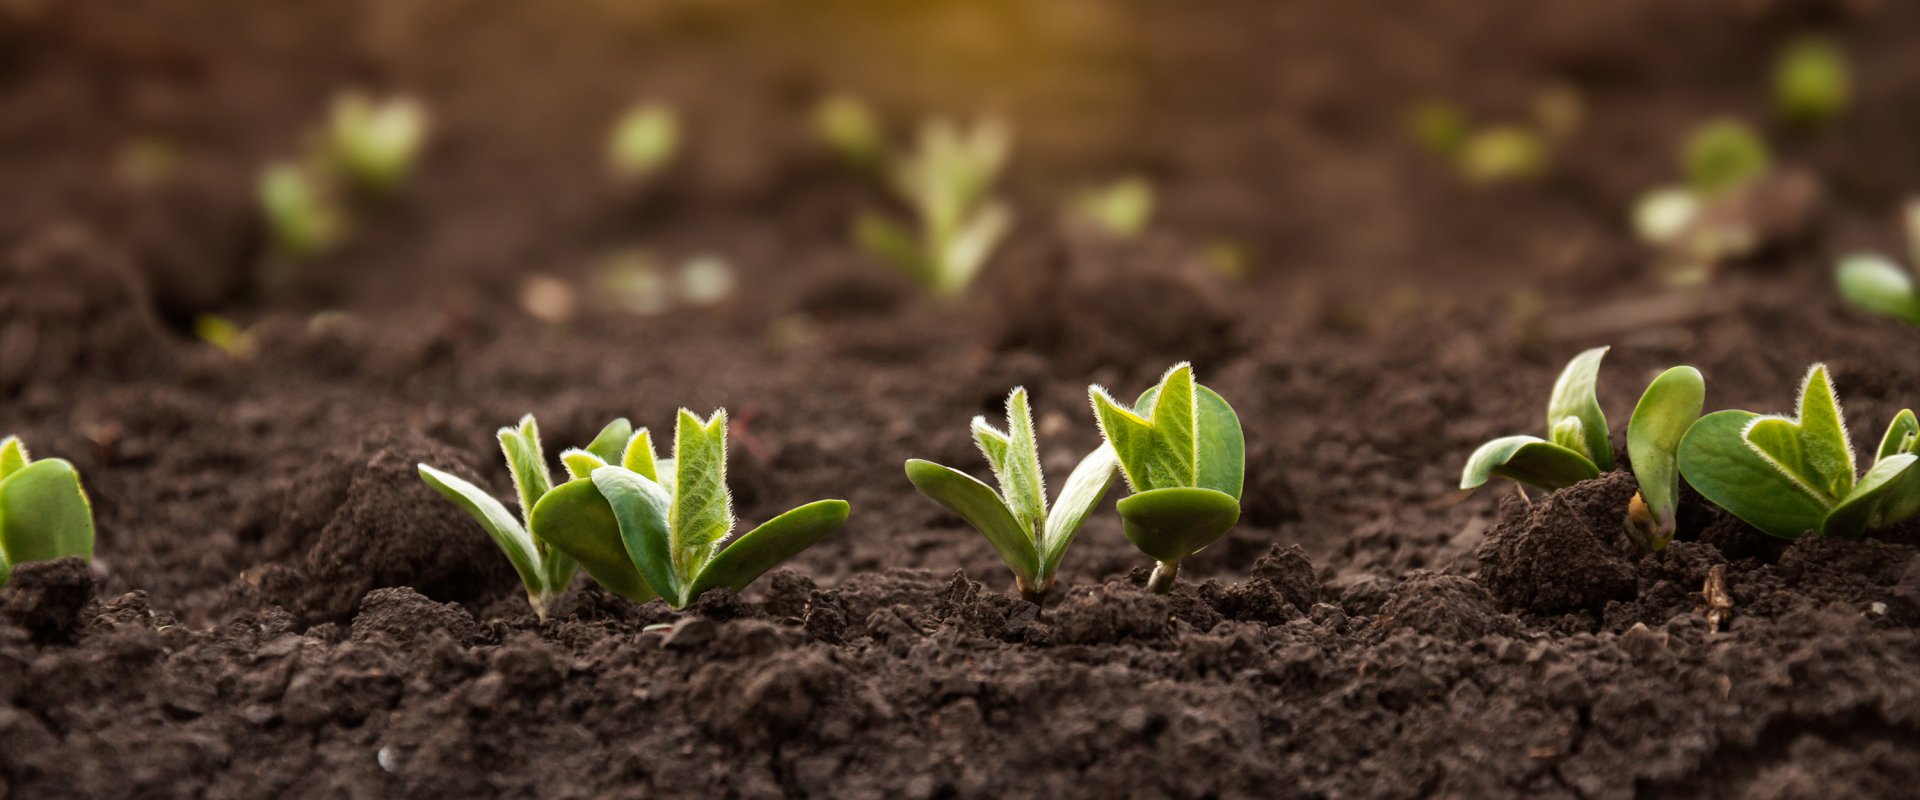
[
  {"x": 1581, "y": 448},
  {"x": 1122, "y": 208},
  {"x": 374, "y": 143},
  {"x": 544, "y": 571},
  {"x": 1787, "y": 476},
  {"x": 44, "y": 512},
  {"x": 1875, "y": 284},
  {"x": 644, "y": 141},
  {"x": 1181, "y": 449},
  {"x": 848, "y": 127},
  {"x": 643, "y": 526},
  {"x": 1031, "y": 538},
  {"x": 946, "y": 182},
  {"x": 1811, "y": 82},
  {"x": 303, "y": 213}
]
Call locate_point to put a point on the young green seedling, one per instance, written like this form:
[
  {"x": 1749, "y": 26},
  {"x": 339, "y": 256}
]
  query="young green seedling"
[
  {"x": 1875, "y": 284},
  {"x": 644, "y": 140},
  {"x": 44, "y": 512},
  {"x": 1121, "y": 208},
  {"x": 1580, "y": 447},
  {"x": 1789, "y": 476},
  {"x": 1016, "y": 521},
  {"x": 303, "y": 213},
  {"x": 374, "y": 143},
  {"x": 663, "y": 524},
  {"x": 1706, "y": 221},
  {"x": 1180, "y": 447},
  {"x": 847, "y": 126},
  {"x": 1495, "y": 153},
  {"x": 1811, "y": 82},
  {"x": 544, "y": 571},
  {"x": 945, "y": 183}
]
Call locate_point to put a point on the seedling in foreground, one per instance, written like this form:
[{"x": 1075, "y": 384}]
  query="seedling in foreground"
[
  {"x": 1811, "y": 82},
  {"x": 663, "y": 525},
  {"x": 544, "y": 571},
  {"x": 374, "y": 143},
  {"x": 1016, "y": 520},
  {"x": 1788, "y": 476},
  {"x": 945, "y": 183},
  {"x": 1121, "y": 208},
  {"x": 1181, "y": 449},
  {"x": 44, "y": 512},
  {"x": 644, "y": 140},
  {"x": 1875, "y": 284},
  {"x": 1580, "y": 447}
]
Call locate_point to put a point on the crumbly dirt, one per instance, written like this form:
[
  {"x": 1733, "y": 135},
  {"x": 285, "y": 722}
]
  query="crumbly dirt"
[{"x": 279, "y": 607}]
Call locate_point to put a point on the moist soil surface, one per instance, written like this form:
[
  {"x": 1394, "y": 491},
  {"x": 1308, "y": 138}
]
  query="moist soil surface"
[{"x": 279, "y": 606}]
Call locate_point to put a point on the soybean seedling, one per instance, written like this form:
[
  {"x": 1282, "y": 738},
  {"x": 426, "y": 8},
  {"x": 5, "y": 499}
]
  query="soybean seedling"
[
  {"x": 1788, "y": 476},
  {"x": 946, "y": 183},
  {"x": 1028, "y": 536},
  {"x": 1875, "y": 284},
  {"x": 44, "y": 512},
  {"x": 1579, "y": 446},
  {"x": 1121, "y": 208},
  {"x": 663, "y": 525},
  {"x": 645, "y": 139},
  {"x": 1182, "y": 452},
  {"x": 1811, "y": 82},
  {"x": 372, "y": 143},
  {"x": 544, "y": 571}
]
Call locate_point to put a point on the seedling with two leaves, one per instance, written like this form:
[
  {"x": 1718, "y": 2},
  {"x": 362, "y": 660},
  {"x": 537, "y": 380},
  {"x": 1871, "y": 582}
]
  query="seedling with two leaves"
[
  {"x": 1875, "y": 284},
  {"x": 44, "y": 512},
  {"x": 1029, "y": 536},
  {"x": 368, "y": 145},
  {"x": 1183, "y": 454},
  {"x": 1788, "y": 476},
  {"x": 946, "y": 183},
  {"x": 1580, "y": 446}
]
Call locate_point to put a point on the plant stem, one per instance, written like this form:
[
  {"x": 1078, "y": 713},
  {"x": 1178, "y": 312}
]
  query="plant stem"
[{"x": 1163, "y": 576}]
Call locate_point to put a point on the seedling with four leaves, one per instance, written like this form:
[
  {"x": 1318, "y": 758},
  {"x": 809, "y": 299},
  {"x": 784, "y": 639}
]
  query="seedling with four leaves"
[
  {"x": 1028, "y": 535},
  {"x": 946, "y": 183},
  {"x": 1875, "y": 284},
  {"x": 1183, "y": 454},
  {"x": 1788, "y": 476},
  {"x": 44, "y": 512}
]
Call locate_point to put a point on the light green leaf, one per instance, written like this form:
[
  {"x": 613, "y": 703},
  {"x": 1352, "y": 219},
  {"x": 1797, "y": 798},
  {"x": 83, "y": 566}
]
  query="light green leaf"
[
  {"x": 1717, "y": 461},
  {"x": 1665, "y": 412},
  {"x": 1131, "y": 437},
  {"x": 641, "y": 509},
  {"x": 639, "y": 455},
  {"x": 579, "y": 524},
  {"x": 1176, "y": 456},
  {"x": 1878, "y": 286},
  {"x": 1903, "y": 436},
  {"x": 13, "y": 456},
  {"x": 611, "y": 442},
  {"x": 1887, "y": 495},
  {"x": 756, "y": 551},
  {"x": 1724, "y": 155},
  {"x": 1529, "y": 460},
  {"x": 527, "y": 461},
  {"x": 965, "y": 253},
  {"x": 1015, "y": 458},
  {"x": 702, "y": 512},
  {"x": 1574, "y": 395},
  {"x": 44, "y": 513},
  {"x": 981, "y": 507},
  {"x": 497, "y": 521},
  {"x": 6, "y": 569},
  {"x": 580, "y": 463},
  {"x": 1085, "y": 486},
  {"x": 1171, "y": 524},
  {"x": 1811, "y": 449}
]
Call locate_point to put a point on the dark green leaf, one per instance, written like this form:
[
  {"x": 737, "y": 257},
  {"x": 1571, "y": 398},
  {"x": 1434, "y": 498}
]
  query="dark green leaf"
[
  {"x": 1887, "y": 495},
  {"x": 1574, "y": 395},
  {"x": 1717, "y": 461},
  {"x": 1171, "y": 524},
  {"x": 497, "y": 521},
  {"x": 1529, "y": 460},
  {"x": 579, "y": 523},
  {"x": 981, "y": 507},
  {"x": 756, "y": 551},
  {"x": 611, "y": 443},
  {"x": 1665, "y": 412},
  {"x": 641, "y": 508}
]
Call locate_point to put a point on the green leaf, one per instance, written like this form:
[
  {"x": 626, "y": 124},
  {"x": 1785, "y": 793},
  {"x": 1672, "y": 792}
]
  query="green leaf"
[
  {"x": 1665, "y": 412},
  {"x": 1811, "y": 83},
  {"x": 702, "y": 512},
  {"x": 641, "y": 509},
  {"x": 1574, "y": 395},
  {"x": 1085, "y": 486},
  {"x": 639, "y": 455},
  {"x": 44, "y": 513},
  {"x": 1717, "y": 461},
  {"x": 1131, "y": 437},
  {"x": 1876, "y": 285},
  {"x": 763, "y": 548},
  {"x": 13, "y": 456},
  {"x": 579, "y": 524},
  {"x": 1903, "y": 436},
  {"x": 888, "y": 241},
  {"x": 580, "y": 463},
  {"x": 497, "y": 521},
  {"x": 1214, "y": 437},
  {"x": 1015, "y": 458},
  {"x": 1176, "y": 458},
  {"x": 1529, "y": 460},
  {"x": 965, "y": 253},
  {"x": 527, "y": 461},
  {"x": 1887, "y": 495},
  {"x": 1171, "y": 524},
  {"x": 611, "y": 442},
  {"x": 1724, "y": 155},
  {"x": 981, "y": 507},
  {"x": 1811, "y": 449},
  {"x": 6, "y": 569}
]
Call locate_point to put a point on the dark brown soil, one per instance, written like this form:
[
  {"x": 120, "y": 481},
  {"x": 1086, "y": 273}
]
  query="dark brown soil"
[{"x": 279, "y": 607}]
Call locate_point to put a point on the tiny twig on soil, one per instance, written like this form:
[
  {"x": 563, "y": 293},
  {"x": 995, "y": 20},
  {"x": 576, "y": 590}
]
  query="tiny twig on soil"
[{"x": 1719, "y": 604}]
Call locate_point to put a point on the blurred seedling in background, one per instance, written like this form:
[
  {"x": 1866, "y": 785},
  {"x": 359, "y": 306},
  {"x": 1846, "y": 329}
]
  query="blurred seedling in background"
[
  {"x": 303, "y": 212},
  {"x": 1579, "y": 446},
  {"x": 644, "y": 141},
  {"x": 1877, "y": 285},
  {"x": 636, "y": 282},
  {"x": 1501, "y": 152},
  {"x": 643, "y": 526},
  {"x": 147, "y": 162},
  {"x": 848, "y": 127},
  {"x": 44, "y": 511},
  {"x": 223, "y": 333},
  {"x": 946, "y": 184},
  {"x": 543, "y": 570},
  {"x": 373, "y": 144},
  {"x": 1715, "y": 216},
  {"x": 1030, "y": 537},
  {"x": 1122, "y": 208},
  {"x": 1184, "y": 457},
  {"x": 1811, "y": 83},
  {"x": 1788, "y": 476}
]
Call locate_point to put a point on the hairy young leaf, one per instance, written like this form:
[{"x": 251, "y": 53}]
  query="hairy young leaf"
[
  {"x": 702, "y": 512},
  {"x": 1717, "y": 461},
  {"x": 1574, "y": 396},
  {"x": 642, "y": 510},
  {"x": 1015, "y": 459},
  {"x": 527, "y": 461},
  {"x": 1171, "y": 524},
  {"x": 1175, "y": 426},
  {"x": 610, "y": 444},
  {"x": 1131, "y": 437},
  {"x": 756, "y": 551},
  {"x": 1222, "y": 457},
  {"x": 1887, "y": 495},
  {"x": 13, "y": 456},
  {"x": 1903, "y": 436},
  {"x": 579, "y": 464},
  {"x": 639, "y": 456},
  {"x": 1665, "y": 412},
  {"x": 497, "y": 521},
  {"x": 578, "y": 522},
  {"x": 1811, "y": 449},
  {"x": 1085, "y": 486},
  {"x": 1528, "y": 459},
  {"x": 981, "y": 507}
]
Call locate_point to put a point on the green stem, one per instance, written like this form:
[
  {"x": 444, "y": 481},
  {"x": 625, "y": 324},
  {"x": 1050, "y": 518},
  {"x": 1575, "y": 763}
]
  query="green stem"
[{"x": 1163, "y": 577}]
